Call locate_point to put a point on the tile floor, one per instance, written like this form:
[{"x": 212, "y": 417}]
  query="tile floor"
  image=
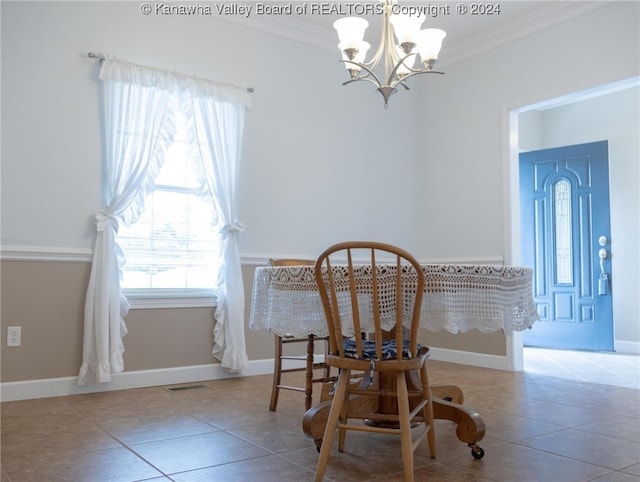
[
  {"x": 597, "y": 367},
  {"x": 539, "y": 428}
]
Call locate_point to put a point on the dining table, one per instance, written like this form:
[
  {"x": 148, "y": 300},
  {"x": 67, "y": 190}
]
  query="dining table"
[{"x": 457, "y": 298}]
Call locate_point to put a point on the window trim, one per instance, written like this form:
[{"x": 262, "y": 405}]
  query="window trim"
[{"x": 155, "y": 298}]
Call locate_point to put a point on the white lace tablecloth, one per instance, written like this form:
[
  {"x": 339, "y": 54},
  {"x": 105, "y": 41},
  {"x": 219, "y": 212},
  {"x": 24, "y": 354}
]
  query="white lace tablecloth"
[{"x": 458, "y": 298}]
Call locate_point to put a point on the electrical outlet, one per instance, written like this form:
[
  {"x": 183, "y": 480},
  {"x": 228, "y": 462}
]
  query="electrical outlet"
[{"x": 14, "y": 335}]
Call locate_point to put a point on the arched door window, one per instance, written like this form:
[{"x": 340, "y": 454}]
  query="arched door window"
[{"x": 563, "y": 231}]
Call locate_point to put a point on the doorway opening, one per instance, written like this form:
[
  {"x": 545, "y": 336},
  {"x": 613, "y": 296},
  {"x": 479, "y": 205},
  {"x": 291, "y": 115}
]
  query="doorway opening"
[{"x": 528, "y": 122}]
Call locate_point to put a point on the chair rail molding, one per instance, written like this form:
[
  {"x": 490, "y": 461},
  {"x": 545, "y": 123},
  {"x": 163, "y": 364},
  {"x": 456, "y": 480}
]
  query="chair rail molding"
[
  {"x": 85, "y": 255},
  {"x": 45, "y": 253}
]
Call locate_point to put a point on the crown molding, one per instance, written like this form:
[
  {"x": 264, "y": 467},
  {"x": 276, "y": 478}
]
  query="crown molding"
[
  {"x": 540, "y": 19},
  {"x": 546, "y": 16},
  {"x": 290, "y": 28}
]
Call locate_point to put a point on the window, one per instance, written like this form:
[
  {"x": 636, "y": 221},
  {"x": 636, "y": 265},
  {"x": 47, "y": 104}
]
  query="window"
[
  {"x": 563, "y": 226},
  {"x": 172, "y": 250}
]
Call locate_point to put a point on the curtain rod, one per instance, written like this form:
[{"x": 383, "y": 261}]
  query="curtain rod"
[{"x": 102, "y": 57}]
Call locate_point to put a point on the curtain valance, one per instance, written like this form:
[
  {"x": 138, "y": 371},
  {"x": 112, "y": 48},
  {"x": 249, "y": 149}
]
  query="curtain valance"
[{"x": 121, "y": 70}]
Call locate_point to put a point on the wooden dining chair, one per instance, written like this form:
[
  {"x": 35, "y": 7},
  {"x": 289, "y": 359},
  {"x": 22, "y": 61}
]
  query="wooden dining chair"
[
  {"x": 380, "y": 295},
  {"x": 310, "y": 366}
]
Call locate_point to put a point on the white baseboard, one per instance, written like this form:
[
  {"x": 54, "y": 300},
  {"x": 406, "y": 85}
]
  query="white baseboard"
[
  {"x": 482, "y": 360},
  {"x": 59, "y": 387},
  {"x": 630, "y": 347}
]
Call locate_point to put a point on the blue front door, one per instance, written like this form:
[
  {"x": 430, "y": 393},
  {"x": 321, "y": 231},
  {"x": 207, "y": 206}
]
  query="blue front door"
[{"x": 565, "y": 234}]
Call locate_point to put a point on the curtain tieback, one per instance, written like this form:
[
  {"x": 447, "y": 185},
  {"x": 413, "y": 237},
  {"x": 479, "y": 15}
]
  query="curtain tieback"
[
  {"x": 103, "y": 218},
  {"x": 233, "y": 228}
]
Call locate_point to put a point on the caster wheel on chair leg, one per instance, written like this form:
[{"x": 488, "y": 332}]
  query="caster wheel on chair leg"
[{"x": 477, "y": 452}]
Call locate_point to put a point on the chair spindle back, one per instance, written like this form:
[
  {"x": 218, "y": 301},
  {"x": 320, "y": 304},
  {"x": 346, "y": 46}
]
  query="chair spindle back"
[{"x": 372, "y": 289}]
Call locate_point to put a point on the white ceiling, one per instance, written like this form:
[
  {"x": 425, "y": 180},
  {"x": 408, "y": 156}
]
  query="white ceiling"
[{"x": 467, "y": 34}]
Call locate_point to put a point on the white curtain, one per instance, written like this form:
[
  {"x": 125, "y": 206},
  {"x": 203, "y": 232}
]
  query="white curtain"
[
  {"x": 217, "y": 128},
  {"x": 138, "y": 129}
]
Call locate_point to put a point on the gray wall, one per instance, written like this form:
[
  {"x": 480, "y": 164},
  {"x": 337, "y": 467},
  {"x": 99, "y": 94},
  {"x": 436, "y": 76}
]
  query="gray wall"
[
  {"x": 321, "y": 162},
  {"x": 315, "y": 152},
  {"x": 466, "y": 158}
]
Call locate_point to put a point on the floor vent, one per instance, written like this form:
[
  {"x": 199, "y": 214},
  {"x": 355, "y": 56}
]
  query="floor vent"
[{"x": 185, "y": 387}]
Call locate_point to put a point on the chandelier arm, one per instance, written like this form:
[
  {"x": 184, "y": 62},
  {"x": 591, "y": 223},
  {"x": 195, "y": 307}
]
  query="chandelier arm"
[
  {"x": 425, "y": 71},
  {"x": 363, "y": 66},
  {"x": 375, "y": 60},
  {"x": 400, "y": 62},
  {"x": 414, "y": 72},
  {"x": 365, "y": 78},
  {"x": 386, "y": 39}
]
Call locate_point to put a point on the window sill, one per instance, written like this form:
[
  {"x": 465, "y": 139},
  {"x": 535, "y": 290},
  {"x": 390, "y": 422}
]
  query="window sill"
[{"x": 140, "y": 299}]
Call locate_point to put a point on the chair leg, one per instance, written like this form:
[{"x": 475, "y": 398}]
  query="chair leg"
[
  {"x": 277, "y": 373},
  {"x": 405, "y": 426},
  {"x": 428, "y": 412},
  {"x": 327, "y": 368},
  {"x": 431, "y": 435},
  {"x": 342, "y": 432},
  {"x": 332, "y": 423},
  {"x": 308, "y": 387}
]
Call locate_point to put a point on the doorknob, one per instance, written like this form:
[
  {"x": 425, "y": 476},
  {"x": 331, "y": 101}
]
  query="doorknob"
[
  {"x": 603, "y": 253},
  {"x": 603, "y": 282}
]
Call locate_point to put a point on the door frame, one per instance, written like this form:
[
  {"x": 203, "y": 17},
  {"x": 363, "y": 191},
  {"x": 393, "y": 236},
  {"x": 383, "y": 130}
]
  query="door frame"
[{"x": 511, "y": 194}]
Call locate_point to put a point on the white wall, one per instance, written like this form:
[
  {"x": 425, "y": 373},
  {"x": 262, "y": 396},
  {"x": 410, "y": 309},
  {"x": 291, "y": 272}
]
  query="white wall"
[
  {"x": 321, "y": 162},
  {"x": 465, "y": 164},
  {"x": 464, "y": 145}
]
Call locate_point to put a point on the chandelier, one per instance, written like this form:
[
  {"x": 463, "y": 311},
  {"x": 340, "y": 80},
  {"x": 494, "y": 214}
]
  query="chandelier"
[{"x": 398, "y": 59}]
